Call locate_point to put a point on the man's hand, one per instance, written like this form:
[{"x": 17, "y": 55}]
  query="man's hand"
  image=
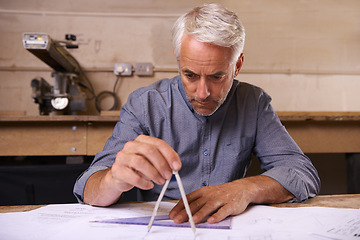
[
  {"x": 141, "y": 163},
  {"x": 221, "y": 201},
  {"x": 144, "y": 161}
]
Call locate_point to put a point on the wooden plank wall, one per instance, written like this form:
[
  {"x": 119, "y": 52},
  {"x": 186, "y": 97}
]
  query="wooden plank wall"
[{"x": 304, "y": 53}]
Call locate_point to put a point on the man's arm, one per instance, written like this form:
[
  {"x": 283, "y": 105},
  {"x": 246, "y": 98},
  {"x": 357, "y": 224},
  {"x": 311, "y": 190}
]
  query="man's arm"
[
  {"x": 230, "y": 199},
  {"x": 96, "y": 187},
  {"x": 141, "y": 163}
]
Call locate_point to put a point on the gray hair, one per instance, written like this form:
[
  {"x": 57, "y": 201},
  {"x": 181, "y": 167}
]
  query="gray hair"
[{"x": 210, "y": 23}]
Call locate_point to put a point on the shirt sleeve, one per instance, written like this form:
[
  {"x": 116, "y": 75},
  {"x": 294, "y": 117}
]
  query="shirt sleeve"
[
  {"x": 129, "y": 127},
  {"x": 280, "y": 157}
]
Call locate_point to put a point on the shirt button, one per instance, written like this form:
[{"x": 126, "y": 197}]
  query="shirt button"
[{"x": 206, "y": 153}]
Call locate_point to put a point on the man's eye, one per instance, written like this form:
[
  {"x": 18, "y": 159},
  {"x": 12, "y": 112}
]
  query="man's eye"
[
  {"x": 190, "y": 76},
  {"x": 216, "y": 77}
]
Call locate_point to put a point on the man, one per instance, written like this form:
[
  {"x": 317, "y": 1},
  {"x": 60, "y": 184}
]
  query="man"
[{"x": 205, "y": 125}]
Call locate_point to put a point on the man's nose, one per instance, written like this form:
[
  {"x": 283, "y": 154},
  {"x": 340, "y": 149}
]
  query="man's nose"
[{"x": 203, "y": 90}]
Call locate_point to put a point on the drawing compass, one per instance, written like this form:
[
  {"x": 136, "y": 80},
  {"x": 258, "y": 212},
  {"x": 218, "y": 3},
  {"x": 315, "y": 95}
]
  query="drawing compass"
[{"x": 183, "y": 196}]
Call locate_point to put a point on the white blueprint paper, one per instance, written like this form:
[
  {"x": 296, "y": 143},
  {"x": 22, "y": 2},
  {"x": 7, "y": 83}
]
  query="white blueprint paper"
[{"x": 76, "y": 221}]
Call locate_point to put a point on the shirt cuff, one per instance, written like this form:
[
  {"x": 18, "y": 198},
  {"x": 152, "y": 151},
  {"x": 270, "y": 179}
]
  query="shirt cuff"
[
  {"x": 291, "y": 181},
  {"x": 81, "y": 181}
]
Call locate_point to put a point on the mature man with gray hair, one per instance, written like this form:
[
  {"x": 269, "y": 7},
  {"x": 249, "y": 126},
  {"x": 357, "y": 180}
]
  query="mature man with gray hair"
[{"x": 204, "y": 124}]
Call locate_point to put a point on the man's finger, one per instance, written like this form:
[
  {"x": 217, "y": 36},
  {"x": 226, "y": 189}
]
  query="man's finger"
[
  {"x": 140, "y": 153},
  {"x": 167, "y": 152},
  {"x": 176, "y": 209},
  {"x": 207, "y": 209},
  {"x": 233, "y": 206},
  {"x": 221, "y": 214},
  {"x": 178, "y": 214},
  {"x": 134, "y": 179}
]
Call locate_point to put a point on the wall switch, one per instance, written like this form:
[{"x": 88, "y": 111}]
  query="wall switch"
[
  {"x": 123, "y": 69},
  {"x": 144, "y": 69}
]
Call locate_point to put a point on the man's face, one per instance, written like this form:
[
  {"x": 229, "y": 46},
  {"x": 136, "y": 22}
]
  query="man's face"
[{"x": 207, "y": 73}]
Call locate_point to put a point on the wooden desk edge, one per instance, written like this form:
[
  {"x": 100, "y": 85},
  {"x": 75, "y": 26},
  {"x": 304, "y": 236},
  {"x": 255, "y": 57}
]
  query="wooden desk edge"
[
  {"x": 319, "y": 116},
  {"x": 19, "y": 208},
  {"x": 61, "y": 118},
  {"x": 333, "y": 201},
  {"x": 283, "y": 115}
]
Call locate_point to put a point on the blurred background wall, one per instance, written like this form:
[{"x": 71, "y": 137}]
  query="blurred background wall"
[{"x": 304, "y": 53}]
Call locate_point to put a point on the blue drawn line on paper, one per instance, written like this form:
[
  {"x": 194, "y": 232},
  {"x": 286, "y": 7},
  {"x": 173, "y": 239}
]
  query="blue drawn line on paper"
[{"x": 165, "y": 221}]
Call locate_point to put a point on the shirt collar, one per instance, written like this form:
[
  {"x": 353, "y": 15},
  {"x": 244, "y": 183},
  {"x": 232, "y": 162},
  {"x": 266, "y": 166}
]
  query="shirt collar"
[{"x": 183, "y": 94}]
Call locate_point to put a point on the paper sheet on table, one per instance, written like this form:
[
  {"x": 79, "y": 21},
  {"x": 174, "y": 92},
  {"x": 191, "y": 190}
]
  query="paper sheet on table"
[
  {"x": 76, "y": 221},
  {"x": 348, "y": 228},
  {"x": 315, "y": 222}
]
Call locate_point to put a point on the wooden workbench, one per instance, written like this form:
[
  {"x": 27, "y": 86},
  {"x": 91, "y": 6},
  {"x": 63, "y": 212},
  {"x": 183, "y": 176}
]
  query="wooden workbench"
[
  {"x": 315, "y": 132},
  {"x": 54, "y": 135},
  {"x": 324, "y": 132},
  {"x": 334, "y": 201}
]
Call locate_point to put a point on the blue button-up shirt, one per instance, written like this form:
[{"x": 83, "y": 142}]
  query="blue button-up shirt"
[{"x": 214, "y": 149}]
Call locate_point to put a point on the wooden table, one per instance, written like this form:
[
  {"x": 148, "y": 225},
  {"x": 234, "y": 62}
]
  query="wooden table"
[
  {"x": 54, "y": 135},
  {"x": 315, "y": 132},
  {"x": 334, "y": 201},
  {"x": 324, "y": 132}
]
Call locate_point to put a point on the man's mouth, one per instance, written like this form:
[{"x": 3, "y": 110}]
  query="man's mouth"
[{"x": 203, "y": 104}]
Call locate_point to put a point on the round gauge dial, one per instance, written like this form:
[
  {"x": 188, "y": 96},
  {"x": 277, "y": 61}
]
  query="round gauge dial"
[{"x": 60, "y": 103}]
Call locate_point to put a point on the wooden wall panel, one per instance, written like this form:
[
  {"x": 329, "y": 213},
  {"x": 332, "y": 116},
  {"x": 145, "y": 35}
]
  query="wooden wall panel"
[{"x": 295, "y": 50}]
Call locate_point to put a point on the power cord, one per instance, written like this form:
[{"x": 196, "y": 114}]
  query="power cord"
[
  {"x": 90, "y": 88},
  {"x": 99, "y": 97}
]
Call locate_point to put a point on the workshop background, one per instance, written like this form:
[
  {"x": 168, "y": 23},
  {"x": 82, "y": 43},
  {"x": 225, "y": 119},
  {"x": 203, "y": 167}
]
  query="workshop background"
[{"x": 304, "y": 53}]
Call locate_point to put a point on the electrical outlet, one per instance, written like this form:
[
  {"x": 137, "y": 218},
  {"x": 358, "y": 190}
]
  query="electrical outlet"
[
  {"x": 144, "y": 69},
  {"x": 123, "y": 69}
]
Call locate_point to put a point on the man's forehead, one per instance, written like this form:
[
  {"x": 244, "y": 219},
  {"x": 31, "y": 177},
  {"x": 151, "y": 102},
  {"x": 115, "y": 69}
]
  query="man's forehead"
[{"x": 208, "y": 67}]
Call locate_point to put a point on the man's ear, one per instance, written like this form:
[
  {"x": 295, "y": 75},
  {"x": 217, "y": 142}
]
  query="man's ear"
[{"x": 239, "y": 64}]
